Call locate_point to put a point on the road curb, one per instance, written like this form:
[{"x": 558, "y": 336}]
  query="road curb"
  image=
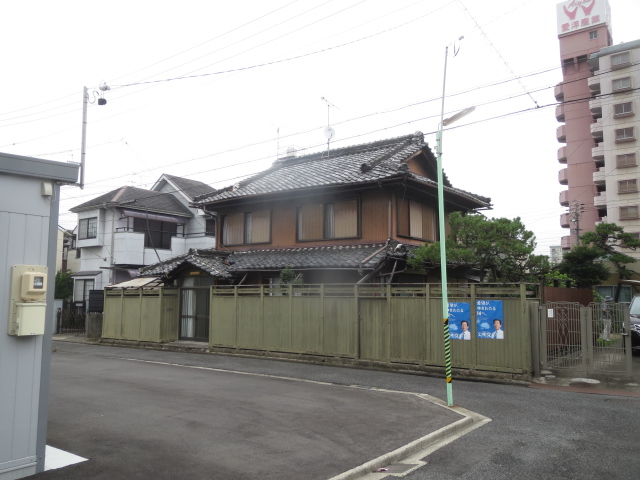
[{"x": 444, "y": 435}]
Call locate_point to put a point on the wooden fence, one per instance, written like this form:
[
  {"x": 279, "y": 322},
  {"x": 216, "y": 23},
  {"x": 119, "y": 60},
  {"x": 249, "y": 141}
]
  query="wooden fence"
[
  {"x": 391, "y": 324},
  {"x": 148, "y": 315}
]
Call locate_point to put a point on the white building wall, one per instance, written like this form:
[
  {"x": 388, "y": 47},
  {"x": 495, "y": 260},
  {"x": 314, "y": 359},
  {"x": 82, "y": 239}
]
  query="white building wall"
[{"x": 613, "y": 174}]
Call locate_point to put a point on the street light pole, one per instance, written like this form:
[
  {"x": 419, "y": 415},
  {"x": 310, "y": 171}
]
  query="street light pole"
[
  {"x": 83, "y": 144},
  {"x": 442, "y": 233}
]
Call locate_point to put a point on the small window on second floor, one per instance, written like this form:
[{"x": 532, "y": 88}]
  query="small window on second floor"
[
  {"x": 623, "y": 109},
  {"x": 626, "y": 160},
  {"x": 416, "y": 220},
  {"x": 627, "y": 186},
  {"x": 325, "y": 221},
  {"x": 246, "y": 228},
  {"x": 593, "y": 34},
  {"x": 88, "y": 228},
  {"x": 157, "y": 234},
  {"x": 625, "y": 134},
  {"x": 620, "y": 60}
]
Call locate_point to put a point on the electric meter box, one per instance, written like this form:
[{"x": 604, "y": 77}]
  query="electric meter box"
[
  {"x": 28, "y": 300},
  {"x": 34, "y": 286}
]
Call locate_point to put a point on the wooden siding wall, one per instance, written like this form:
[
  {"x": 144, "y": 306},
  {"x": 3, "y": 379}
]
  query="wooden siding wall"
[
  {"x": 393, "y": 324},
  {"x": 141, "y": 315}
]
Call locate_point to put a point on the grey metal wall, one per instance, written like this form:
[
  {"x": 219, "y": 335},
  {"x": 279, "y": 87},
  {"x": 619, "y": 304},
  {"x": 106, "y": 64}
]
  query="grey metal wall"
[{"x": 28, "y": 224}]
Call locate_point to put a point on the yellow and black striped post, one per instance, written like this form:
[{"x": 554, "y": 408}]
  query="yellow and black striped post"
[{"x": 447, "y": 359}]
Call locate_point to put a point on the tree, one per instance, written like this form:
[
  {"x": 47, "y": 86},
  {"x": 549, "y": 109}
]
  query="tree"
[
  {"x": 64, "y": 285},
  {"x": 500, "y": 247},
  {"x": 582, "y": 263},
  {"x": 608, "y": 239}
]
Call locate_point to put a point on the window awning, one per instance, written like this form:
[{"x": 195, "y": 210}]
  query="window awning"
[{"x": 154, "y": 216}]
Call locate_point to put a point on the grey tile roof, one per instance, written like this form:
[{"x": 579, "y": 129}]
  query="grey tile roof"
[
  {"x": 137, "y": 199},
  {"x": 342, "y": 257},
  {"x": 358, "y": 164},
  {"x": 226, "y": 264},
  {"x": 191, "y": 188},
  {"x": 209, "y": 260}
]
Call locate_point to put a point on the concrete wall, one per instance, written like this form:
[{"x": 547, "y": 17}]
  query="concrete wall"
[{"x": 28, "y": 231}]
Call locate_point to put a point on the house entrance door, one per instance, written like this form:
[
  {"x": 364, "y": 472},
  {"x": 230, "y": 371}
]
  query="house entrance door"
[{"x": 194, "y": 308}]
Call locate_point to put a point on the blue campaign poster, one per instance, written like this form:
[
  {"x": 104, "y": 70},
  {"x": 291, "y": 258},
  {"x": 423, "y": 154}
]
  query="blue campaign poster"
[
  {"x": 490, "y": 319},
  {"x": 460, "y": 320}
]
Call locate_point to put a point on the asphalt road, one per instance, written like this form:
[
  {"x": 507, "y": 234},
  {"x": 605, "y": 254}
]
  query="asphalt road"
[
  {"x": 146, "y": 414},
  {"x": 135, "y": 419}
]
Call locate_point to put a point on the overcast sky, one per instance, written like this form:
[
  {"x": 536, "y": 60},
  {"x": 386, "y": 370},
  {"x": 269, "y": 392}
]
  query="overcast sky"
[{"x": 210, "y": 90}]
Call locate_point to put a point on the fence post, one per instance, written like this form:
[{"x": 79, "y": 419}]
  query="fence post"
[
  {"x": 542, "y": 318},
  {"x": 535, "y": 313},
  {"x": 358, "y": 319},
  {"x": 235, "y": 310},
  {"x": 427, "y": 325},
  {"x": 586, "y": 316},
  {"x": 628, "y": 350},
  {"x": 323, "y": 349},
  {"x": 388, "y": 322}
]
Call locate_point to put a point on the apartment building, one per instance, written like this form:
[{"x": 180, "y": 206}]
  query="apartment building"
[
  {"x": 614, "y": 86},
  {"x": 584, "y": 28}
]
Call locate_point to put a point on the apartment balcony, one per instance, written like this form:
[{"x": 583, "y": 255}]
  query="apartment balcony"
[
  {"x": 562, "y": 155},
  {"x": 599, "y": 176},
  {"x": 563, "y": 176},
  {"x": 600, "y": 200},
  {"x": 594, "y": 84},
  {"x": 596, "y": 131},
  {"x": 558, "y": 91},
  {"x": 595, "y": 106},
  {"x": 565, "y": 220},
  {"x": 597, "y": 153},
  {"x": 564, "y": 198},
  {"x": 600, "y": 220},
  {"x": 567, "y": 242},
  {"x": 130, "y": 248},
  {"x": 561, "y": 134},
  {"x": 560, "y": 112}
]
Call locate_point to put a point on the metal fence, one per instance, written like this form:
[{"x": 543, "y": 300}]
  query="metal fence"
[
  {"x": 591, "y": 339},
  {"x": 70, "y": 319}
]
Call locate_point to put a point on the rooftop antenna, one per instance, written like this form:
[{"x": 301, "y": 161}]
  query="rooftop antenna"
[{"x": 329, "y": 132}]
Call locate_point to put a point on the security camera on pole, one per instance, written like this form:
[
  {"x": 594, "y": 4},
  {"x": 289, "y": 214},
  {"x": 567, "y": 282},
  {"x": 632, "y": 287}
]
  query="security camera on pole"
[{"x": 85, "y": 100}]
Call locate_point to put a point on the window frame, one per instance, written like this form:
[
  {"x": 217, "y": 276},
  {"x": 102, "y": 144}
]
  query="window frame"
[
  {"x": 85, "y": 292},
  {"x": 402, "y": 202},
  {"x": 629, "y": 185},
  {"x": 621, "y": 89},
  {"x": 626, "y": 164},
  {"x": 629, "y": 217},
  {"x": 593, "y": 34},
  {"x": 625, "y": 138},
  {"x": 83, "y": 233},
  {"x": 622, "y": 114},
  {"x": 616, "y": 66},
  {"x": 165, "y": 236},
  {"x": 328, "y": 209},
  {"x": 245, "y": 219}
]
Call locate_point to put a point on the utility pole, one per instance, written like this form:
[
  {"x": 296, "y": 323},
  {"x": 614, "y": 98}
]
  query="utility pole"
[{"x": 576, "y": 210}]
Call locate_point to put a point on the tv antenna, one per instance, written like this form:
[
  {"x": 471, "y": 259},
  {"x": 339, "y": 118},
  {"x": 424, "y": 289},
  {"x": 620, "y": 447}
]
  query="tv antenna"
[{"x": 329, "y": 132}]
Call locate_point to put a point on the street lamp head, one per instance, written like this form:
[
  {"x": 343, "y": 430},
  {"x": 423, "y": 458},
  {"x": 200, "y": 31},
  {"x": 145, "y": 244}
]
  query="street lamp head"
[{"x": 457, "y": 116}]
